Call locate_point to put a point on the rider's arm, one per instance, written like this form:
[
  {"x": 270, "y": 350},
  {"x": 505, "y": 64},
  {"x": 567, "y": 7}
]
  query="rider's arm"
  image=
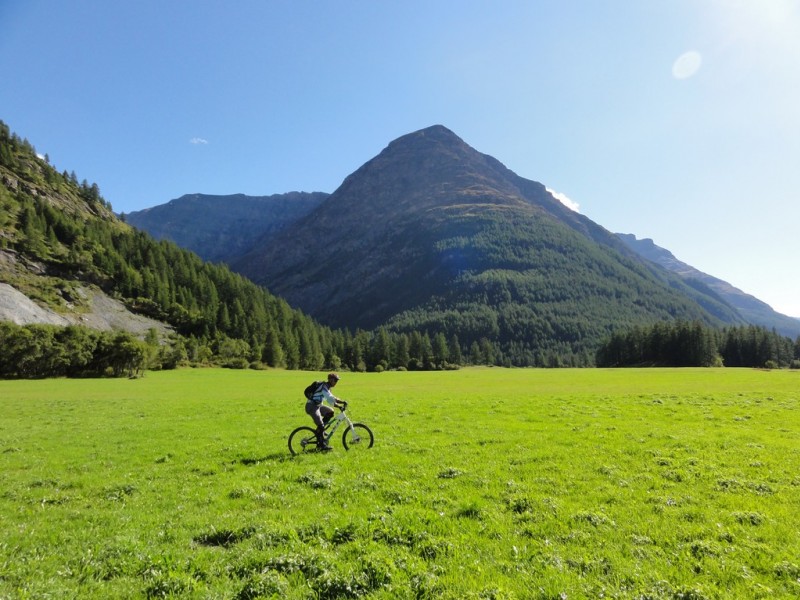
[{"x": 330, "y": 398}]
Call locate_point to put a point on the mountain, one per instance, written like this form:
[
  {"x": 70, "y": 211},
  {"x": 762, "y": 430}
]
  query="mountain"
[
  {"x": 751, "y": 308},
  {"x": 434, "y": 236},
  {"x": 221, "y": 228},
  {"x": 428, "y": 239},
  {"x": 66, "y": 258}
]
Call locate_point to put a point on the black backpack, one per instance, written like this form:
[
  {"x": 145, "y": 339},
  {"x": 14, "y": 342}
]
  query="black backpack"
[{"x": 309, "y": 391}]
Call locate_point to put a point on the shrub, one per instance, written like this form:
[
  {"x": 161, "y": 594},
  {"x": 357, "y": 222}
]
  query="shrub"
[{"x": 236, "y": 363}]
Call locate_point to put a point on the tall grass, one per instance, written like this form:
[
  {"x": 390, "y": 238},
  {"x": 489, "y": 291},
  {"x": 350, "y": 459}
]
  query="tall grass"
[{"x": 483, "y": 483}]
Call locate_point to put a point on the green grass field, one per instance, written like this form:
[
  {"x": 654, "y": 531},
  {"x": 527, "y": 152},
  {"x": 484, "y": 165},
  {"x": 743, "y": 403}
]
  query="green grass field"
[{"x": 483, "y": 483}]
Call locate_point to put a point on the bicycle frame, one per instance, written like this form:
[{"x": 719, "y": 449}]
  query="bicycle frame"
[{"x": 334, "y": 424}]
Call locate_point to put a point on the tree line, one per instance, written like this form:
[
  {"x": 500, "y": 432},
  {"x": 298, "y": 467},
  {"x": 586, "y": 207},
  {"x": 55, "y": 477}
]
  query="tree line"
[
  {"x": 692, "y": 344},
  {"x": 37, "y": 351},
  {"x": 218, "y": 316}
]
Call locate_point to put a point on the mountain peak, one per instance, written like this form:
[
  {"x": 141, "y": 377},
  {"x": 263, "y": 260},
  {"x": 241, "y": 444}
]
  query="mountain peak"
[
  {"x": 428, "y": 168},
  {"x": 428, "y": 138},
  {"x": 434, "y": 132}
]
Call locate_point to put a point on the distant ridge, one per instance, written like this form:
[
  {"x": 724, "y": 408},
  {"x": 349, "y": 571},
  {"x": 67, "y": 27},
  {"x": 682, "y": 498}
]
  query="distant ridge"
[
  {"x": 221, "y": 228},
  {"x": 751, "y": 308}
]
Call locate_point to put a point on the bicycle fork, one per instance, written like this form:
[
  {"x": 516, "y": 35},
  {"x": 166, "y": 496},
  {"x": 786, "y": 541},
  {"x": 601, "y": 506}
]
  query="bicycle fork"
[{"x": 353, "y": 432}]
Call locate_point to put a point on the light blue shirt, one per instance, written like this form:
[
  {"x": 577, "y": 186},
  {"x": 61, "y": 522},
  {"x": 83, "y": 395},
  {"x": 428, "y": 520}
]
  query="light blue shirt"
[{"x": 324, "y": 394}]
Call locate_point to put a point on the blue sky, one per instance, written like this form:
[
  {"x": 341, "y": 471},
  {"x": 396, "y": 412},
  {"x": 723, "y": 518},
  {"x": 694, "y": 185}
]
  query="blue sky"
[{"x": 675, "y": 120}]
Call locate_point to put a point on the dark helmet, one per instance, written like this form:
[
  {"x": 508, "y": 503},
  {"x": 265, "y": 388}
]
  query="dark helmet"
[{"x": 333, "y": 376}]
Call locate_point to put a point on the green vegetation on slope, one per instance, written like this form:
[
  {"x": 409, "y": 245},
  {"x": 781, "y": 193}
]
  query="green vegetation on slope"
[
  {"x": 431, "y": 235},
  {"x": 542, "y": 293},
  {"x": 73, "y": 234},
  {"x": 66, "y": 235},
  {"x": 483, "y": 483}
]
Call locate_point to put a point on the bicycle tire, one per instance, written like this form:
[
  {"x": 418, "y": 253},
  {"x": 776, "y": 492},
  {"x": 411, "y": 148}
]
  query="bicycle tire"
[
  {"x": 299, "y": 442},
  {"x": 361, "y": 438}
]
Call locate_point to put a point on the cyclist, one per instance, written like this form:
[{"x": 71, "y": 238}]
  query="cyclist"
[{"x": 319, "y": 412}]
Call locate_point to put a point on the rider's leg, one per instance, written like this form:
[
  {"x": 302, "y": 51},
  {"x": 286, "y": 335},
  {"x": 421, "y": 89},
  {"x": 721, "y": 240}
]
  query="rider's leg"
[
  {"x": 313, "y": 411},
  {"x": 327, "y": 414}
]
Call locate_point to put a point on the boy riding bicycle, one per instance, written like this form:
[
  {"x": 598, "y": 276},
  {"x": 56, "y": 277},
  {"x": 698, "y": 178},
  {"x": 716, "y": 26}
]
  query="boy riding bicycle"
[{"x": 319, "y": 412}]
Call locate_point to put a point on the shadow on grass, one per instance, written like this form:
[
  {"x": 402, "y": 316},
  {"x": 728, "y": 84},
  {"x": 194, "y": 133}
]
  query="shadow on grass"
[
  {"x": 274, "y": 457},
  {"x": 224, "y": 538}
]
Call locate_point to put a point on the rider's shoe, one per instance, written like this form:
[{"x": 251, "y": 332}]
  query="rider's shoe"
[{"x": 325, "y": 448}]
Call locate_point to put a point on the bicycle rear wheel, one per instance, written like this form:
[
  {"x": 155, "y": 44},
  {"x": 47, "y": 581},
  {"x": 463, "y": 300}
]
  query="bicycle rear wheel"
[
  {"x": 360, "y": 436},
  {"x": 302, "y": 440}
]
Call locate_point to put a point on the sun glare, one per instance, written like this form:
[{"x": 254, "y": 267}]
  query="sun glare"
[{"x": 686, "y": 65}]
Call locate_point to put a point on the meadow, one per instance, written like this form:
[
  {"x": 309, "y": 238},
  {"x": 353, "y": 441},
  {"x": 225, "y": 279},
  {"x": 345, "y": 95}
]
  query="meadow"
[{"x": 483, "y": 483}]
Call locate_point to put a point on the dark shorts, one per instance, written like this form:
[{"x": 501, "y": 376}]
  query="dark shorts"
[{"x": 318, "y": 412}]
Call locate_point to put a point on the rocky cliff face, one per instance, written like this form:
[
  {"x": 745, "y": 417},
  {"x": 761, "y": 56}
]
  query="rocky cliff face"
[
  {"x": 87, "y": 305},
  {"x": 221, "y": 228}
]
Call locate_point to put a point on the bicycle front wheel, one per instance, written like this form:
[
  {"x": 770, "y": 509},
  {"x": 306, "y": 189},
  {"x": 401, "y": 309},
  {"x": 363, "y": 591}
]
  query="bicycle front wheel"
[
  {"x": 301, "y": 440},
  {"x": 359, "y": 436}
]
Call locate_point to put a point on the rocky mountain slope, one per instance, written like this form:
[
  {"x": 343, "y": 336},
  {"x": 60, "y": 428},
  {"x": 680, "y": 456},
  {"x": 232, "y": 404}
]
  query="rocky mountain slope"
[
  {"x": 429, "y": 236},
  {"x": 221, "y": 228},
  {"x": 433, "y": 235},
  {"x": 86, "y": 305},
  {"x": 23, "y": 277},
  {"x": 751, "y": 308}
]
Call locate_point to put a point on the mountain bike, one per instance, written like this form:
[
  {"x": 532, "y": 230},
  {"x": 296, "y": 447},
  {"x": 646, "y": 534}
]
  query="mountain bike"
[{"x": 356, "y": 435}]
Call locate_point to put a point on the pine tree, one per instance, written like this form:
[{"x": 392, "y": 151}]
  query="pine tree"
[
  {"x": 487, "y": 352},
  {"x": 475, "y": 357},
  {"x": 381, "y": 349},
  {"x": 439, "y": 351},
  {"x": 272, "y": 353},
  {"x": 454, "y": 349},
  {"x": 400, "y": 355}
]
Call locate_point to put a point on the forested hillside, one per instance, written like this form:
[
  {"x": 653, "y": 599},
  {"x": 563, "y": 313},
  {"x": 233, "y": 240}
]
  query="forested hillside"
[
  {"x": 492, "y": 282},
  {"x": 59, "y": 236},
  {"x": 431, "y": 235},
  {"x": 69, "y": 232}
]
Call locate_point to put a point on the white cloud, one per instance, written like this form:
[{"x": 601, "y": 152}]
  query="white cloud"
[
  {"x": 198, "y": 141},
  {"x": 570, "y": 204}
]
